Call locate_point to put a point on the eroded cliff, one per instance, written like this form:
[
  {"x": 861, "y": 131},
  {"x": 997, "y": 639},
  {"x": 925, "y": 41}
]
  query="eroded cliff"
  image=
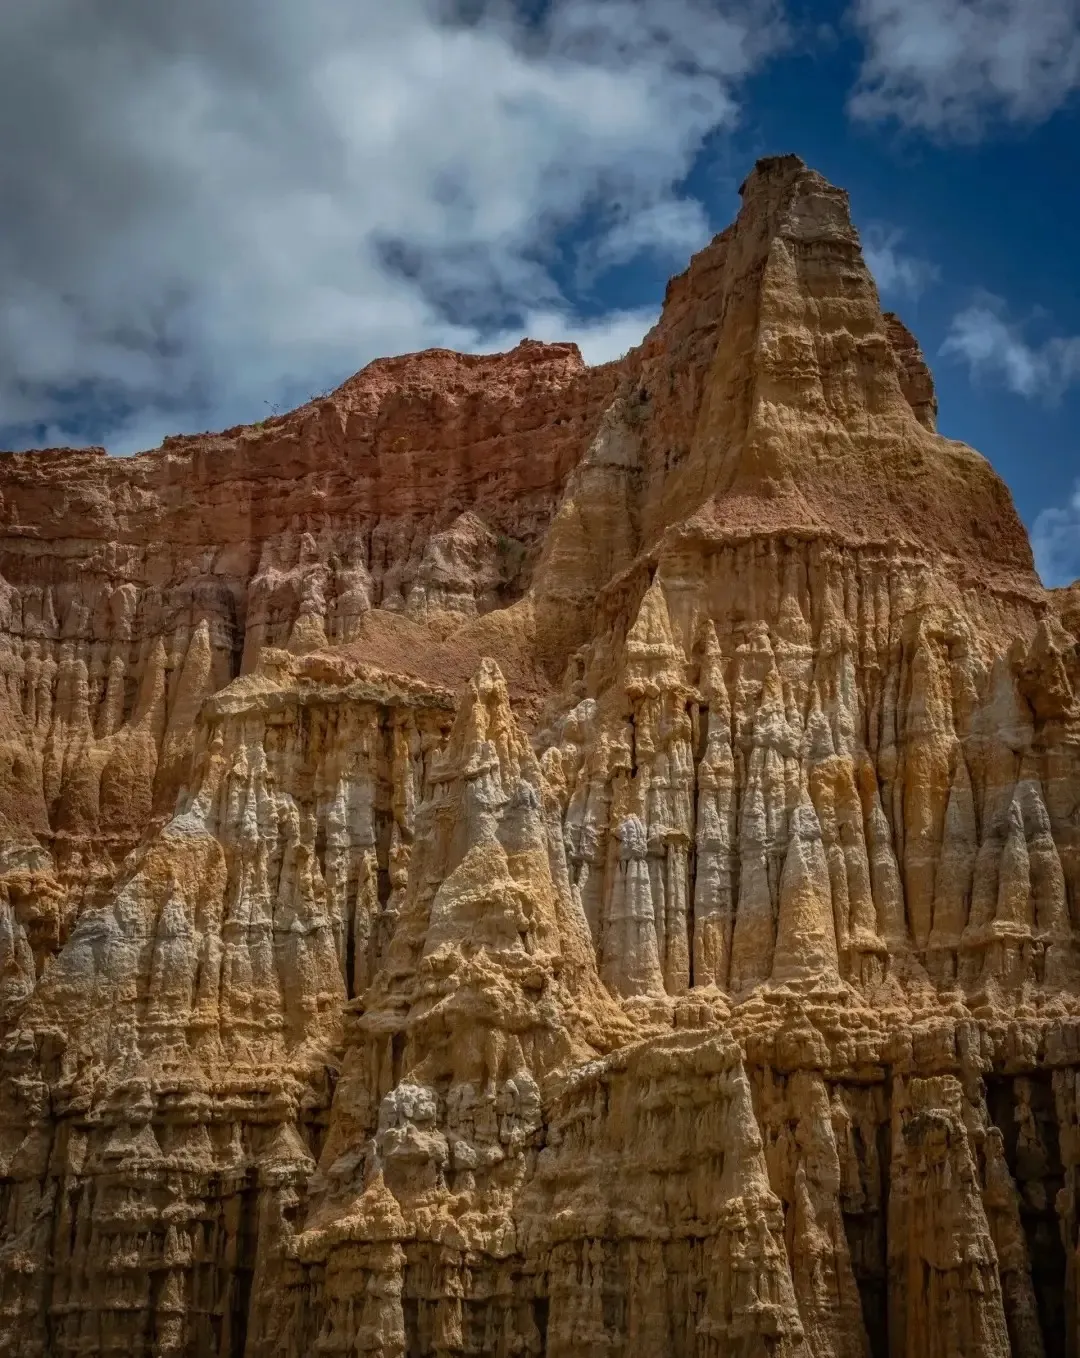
[{"x": 522, "y": 859}]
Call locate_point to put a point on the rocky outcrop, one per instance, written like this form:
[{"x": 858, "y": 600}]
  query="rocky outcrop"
[
  {"x": 515, "y": 858},
  {"x": 915, "y": 380}
]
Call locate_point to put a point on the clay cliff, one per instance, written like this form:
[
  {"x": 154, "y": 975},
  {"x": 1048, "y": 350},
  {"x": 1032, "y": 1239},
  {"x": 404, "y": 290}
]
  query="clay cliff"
[{"x": 515, "y": 858}]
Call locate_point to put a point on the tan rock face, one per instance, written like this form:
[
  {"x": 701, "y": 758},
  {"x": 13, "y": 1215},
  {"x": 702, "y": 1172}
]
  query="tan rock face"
[{"x": 522, "y": 859}]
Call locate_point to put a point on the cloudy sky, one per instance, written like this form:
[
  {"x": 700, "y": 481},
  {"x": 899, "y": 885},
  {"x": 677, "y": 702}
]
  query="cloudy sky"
[{"x": 212, "y": 211}]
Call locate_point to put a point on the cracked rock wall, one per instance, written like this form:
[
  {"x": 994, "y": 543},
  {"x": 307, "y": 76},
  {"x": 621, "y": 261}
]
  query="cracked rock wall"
[{"x": 521, "y": 859}]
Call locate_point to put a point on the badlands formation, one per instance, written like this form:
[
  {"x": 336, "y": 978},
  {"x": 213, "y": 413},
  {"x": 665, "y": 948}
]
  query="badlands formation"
[{"x": 529, "y": 860}]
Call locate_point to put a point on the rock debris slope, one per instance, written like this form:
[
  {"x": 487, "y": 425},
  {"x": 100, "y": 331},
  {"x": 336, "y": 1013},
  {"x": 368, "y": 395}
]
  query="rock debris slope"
[{"x": 520, "y": 859}]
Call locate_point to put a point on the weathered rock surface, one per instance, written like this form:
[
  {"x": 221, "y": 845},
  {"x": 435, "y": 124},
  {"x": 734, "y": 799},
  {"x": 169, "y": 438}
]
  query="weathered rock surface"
[{"x": 522, "y": 859}]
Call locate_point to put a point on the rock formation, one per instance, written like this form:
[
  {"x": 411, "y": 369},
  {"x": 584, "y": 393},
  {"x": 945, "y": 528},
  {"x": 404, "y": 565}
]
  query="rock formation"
[{"x": 516, "y": 859}]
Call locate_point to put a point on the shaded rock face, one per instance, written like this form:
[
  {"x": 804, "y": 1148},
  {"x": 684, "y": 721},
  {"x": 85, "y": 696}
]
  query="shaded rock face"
[{"x": 522, "y": 859}]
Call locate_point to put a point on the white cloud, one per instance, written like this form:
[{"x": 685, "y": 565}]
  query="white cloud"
[
  {"x": 600, "y": 340},
  {"x": 947, "y": 66},
  {"x": 994, "y": 347},
  {"x": 1055, "y": 540},
  {"x": 210, "y": 208},
  {"x": 896, "y": 273},
  {"x": 670, "y": 230}
]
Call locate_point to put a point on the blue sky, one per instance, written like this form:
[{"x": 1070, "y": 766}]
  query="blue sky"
[{"x": 214, "y": 212}]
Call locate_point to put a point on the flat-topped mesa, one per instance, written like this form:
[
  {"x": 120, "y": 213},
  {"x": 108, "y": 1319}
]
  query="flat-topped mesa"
[{"x": 403, "y": 435}]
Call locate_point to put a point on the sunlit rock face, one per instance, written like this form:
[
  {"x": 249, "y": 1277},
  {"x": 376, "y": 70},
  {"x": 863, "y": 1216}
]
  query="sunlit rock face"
[{"x": 519, "y": 859}]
